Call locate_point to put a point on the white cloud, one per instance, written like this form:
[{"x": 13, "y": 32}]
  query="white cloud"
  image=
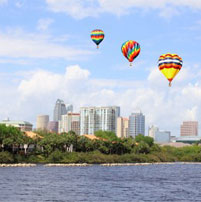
[
  {"x": 77, "y": 8},
  {"x": 37, "y": 92},
  {"x": 76, "y": 73},
  {"x": 84, "y": 8},
  {"x": 10, "y": 61},
  {"x": 18, "y": 44},
  {"x": 43, "y": 24}
]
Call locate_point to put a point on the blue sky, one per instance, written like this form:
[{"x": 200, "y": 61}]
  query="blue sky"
[{"x": 46, "y": 53}]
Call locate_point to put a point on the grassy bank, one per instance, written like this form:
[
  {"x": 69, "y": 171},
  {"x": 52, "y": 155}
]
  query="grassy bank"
[{"x": 166, "y": 154}]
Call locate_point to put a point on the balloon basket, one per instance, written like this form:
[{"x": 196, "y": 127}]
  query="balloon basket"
[
  {"x": 97, "y": 46},
  {"x": 131, "y": 64},
  {"x": 170, "y": 84}
]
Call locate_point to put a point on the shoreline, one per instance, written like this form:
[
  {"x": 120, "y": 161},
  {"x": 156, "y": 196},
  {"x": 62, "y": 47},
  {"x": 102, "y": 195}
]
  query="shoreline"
[
  {"x": 87, "y": 165},
  {"x": 18, "y": 165}
]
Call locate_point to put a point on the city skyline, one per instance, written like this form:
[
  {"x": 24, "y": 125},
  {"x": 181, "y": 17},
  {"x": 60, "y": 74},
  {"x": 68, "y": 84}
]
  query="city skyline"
[
  {"x": 46, "y": 52},
  {"x": 43, "y": 122}
]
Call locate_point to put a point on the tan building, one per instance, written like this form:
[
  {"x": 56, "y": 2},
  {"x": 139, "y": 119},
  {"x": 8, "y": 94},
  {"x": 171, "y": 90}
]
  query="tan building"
[
  {"x": 189, "y": 128},
  {"x": 70, "y": 122},
  {"x": 122, "y": 127},
  {"x": 42, "y": 122}
]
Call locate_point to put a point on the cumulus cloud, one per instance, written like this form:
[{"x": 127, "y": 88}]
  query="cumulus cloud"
[
  {"x": 166, "y": 107},
  {"x": 84, "y": 8},
  {"x": 18, "y": 44}
]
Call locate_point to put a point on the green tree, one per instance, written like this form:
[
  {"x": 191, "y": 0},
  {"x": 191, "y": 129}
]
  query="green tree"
[
  {"x": 142, "y": 148},
  {"x": 13, "y": 137},
  {"x": 107, "y": 135},
  {"x": 146, "y": 139},
  {"x": 84, "y": 144}
]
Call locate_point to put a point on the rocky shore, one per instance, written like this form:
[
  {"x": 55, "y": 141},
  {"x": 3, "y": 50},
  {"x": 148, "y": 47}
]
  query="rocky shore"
[
  {"x": 132, "y": 164},
  {"x": 68, "y": 165},
  {"x": 103, "y": 164},
  {"x": 117, "y": 164},
  {"x": 18, "y": 165}
]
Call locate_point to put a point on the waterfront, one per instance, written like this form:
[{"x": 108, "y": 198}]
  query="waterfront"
[{"x": 171, "y": 182}]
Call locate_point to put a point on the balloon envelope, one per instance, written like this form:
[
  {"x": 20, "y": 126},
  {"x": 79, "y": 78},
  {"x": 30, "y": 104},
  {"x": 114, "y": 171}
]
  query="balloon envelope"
[
  {"x": 130, "y": 50},
  {"x": 97, "y": 36},
  {"x": 170, "y": 64}
]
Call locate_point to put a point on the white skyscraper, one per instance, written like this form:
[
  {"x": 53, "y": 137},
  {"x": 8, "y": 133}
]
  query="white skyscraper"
[
  {"x": 98, "y": 118},
  {"x": 70, "y": 122},
  {"x": 59, "y": 110},
  {"x": 136, "y": 124}
]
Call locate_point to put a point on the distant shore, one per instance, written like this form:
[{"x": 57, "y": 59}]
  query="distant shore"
[{"x": 86, "y": 164}]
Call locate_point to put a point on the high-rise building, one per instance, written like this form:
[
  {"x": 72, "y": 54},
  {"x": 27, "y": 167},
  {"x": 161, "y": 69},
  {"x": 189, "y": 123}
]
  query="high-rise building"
[
  {"x": 122, "y": 127},
  {"x": 70, "y": 122},
  {"x": 69, "y": 108},
  {"x": 53, "y": 126},
  {"x": 189, "y": 128},
  {"x": 98, "y": 118},
  {"x": 42, "y": 122},
  {"x": 159, "y": 136},
  {"x": 59, "y": 110},
  {"x": 152, "y": 130},
  {"x": 136, "y": 124}
]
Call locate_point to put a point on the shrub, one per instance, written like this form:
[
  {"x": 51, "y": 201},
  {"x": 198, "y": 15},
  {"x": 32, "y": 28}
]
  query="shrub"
[
  {"x": 191, "y": 158},
  {"x": 56, "y": 157},
  {"x": 6, "y": 157}
]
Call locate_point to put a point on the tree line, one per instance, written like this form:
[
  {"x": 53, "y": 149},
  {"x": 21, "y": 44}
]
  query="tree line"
[{"x": 105, "y": 148}]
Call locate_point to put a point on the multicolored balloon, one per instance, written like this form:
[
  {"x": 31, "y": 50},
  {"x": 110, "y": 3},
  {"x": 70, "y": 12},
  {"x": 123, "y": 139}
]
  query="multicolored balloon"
[
  {"x": 97, "y": 36},
  {"x": 130, "y": 50},
  {"x": 170, "y": 64}
]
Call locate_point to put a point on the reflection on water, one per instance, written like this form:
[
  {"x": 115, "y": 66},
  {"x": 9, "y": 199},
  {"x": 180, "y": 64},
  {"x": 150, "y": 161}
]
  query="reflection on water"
[{"x": 96, "y": 183}]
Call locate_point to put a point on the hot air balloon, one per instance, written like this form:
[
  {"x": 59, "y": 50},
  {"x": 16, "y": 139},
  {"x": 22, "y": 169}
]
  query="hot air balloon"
[
  {"x": 170, "y": 64},
  {"x": 130, "y": 50},
  {"x": 97, "y": 36}
]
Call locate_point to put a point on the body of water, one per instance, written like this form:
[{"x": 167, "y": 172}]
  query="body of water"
[{"x": 97, "y": 183}]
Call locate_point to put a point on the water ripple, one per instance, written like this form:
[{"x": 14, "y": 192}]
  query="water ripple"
[{"x": 96, "y": 183}]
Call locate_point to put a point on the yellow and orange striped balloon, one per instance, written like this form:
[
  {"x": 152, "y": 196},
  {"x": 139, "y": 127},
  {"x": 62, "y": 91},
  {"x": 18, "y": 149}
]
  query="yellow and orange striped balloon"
[{"x": 170, "y": 64}]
